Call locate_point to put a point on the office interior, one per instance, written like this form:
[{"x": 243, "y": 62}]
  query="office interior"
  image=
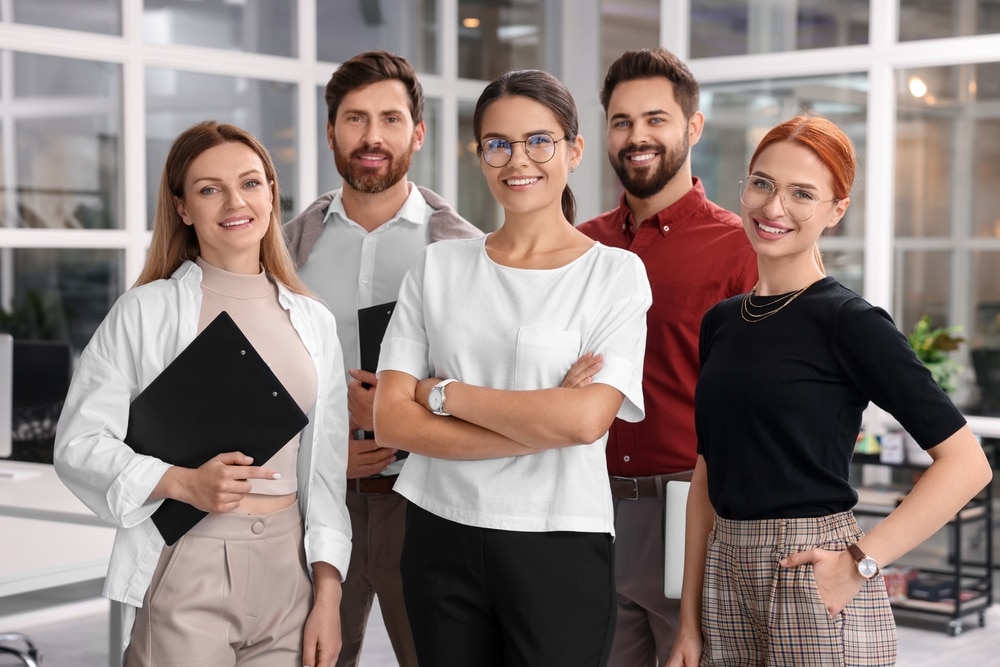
[{"x": 92, "y": 92}]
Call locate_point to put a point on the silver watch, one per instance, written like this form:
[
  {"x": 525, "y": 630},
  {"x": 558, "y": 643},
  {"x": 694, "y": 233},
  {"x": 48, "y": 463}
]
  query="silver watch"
[
  {"x": 436, "y": 398},
  {"x": 867, "y": 566}
]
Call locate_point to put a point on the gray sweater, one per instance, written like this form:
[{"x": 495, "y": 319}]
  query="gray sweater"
[{"x": 303, "y": 230}]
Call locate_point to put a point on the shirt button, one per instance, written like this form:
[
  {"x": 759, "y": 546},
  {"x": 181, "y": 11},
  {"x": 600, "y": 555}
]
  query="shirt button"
[
  {"x": 627, "y": 459},
  {"x": 666, "y": 228},
  {"x": 257, "y": 528}
]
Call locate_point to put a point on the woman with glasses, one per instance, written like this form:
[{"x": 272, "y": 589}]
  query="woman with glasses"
[
  {"x": 777, "y": 571},
  {"x": 508, "y": 552}
]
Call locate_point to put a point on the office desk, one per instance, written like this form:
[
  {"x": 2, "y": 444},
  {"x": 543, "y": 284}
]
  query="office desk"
[{"x": 78, "y": 550}]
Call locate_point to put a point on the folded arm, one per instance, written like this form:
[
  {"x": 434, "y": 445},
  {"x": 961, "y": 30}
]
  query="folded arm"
[{"x": 490, "y": 423}]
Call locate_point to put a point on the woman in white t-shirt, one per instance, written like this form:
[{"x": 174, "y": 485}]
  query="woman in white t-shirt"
[{"x": 508, "y": 556}]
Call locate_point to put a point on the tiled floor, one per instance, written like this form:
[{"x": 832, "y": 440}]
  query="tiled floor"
[{"x": 78, "y": 638}]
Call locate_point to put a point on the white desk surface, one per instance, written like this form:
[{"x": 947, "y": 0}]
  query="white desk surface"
[
  {"x": 39, "y": 555},
  {"x": 41, "y": 496},
  {"x": 72, "y": 545}
]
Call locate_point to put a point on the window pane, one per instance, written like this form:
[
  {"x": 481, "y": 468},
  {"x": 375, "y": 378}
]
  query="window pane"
[
  {"x": 984, "y": 342},
  {"x": 66, "y": 122},
  {"x": 59, "y": 294},
  {"x": 424, "y": 169},
  {"x": 946, "y": 197},
  {"x": 407, "y": 27},
  {"x": 634, "y": 24},
  {"x": 496, "y": 36},
  {"x": 100, "y": 16},
  {"x": 929, "y": 19},
  {"x": 254, "y": 26},
  {"x": 738, "y": 115},
  {"x": 947, "y": 151},
  {"x": 176, "y": 100},
  {"x": 475, "y": 202},
  {"x": 740, "y": 27}
]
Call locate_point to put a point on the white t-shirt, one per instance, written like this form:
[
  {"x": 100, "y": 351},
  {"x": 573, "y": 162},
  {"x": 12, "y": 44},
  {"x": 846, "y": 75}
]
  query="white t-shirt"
[{"x": 461, "y": 315}]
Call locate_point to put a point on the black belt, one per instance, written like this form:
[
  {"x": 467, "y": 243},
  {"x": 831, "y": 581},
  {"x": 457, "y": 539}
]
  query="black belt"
[
  {"x": 636, "y": 488},
  {"x": 372, "y": 485}
]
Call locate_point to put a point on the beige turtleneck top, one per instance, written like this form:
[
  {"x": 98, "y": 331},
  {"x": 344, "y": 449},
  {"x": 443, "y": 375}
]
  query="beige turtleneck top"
[{"x": 252, "y": 302}]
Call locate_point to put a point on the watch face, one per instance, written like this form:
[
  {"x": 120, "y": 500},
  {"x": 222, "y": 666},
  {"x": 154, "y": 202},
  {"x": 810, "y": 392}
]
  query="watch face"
[
  {"x": 867, "y": 567},
  {"x": 434, "y": 400}
]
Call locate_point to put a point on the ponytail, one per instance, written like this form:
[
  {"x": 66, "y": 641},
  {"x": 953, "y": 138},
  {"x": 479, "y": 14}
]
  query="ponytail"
[{"x": 568, "y": 204}]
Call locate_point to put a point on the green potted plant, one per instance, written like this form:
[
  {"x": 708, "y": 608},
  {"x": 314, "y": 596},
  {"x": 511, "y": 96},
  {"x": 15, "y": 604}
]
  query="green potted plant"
[{"x": 933, "y": 347}]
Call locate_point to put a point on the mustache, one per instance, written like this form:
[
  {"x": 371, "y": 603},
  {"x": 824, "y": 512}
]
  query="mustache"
[
  {"x": 371, "y": 150},
  {"x": 659, "y": 149}
]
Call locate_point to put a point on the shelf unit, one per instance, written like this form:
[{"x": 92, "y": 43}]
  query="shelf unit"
[{"x": 972, "y": 577}]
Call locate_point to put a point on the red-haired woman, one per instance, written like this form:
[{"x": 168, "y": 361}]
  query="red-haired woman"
[{"x": 777, "y": 571}]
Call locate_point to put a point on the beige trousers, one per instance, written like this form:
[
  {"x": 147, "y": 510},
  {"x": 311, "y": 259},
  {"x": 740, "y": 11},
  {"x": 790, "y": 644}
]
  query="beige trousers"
[{"x": 233, "y": 591}]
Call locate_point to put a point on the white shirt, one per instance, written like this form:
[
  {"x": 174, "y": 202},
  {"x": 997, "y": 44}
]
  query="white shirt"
[
  {"x": 146, "y": 329},
  {"x": 461, "y": 315},
  {"x": 350, "y": 268}
]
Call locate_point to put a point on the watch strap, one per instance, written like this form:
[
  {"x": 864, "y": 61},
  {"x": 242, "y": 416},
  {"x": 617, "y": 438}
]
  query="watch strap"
[
  {"x": 439, "y": 389},
  {"x": 856, "y": 553}
]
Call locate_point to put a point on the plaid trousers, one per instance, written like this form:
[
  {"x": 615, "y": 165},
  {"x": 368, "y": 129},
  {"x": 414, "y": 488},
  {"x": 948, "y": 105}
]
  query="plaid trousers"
[{"x": 757, "y": 613}]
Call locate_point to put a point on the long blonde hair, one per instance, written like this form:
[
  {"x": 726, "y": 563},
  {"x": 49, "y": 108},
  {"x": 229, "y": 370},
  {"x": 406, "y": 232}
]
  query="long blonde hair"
[{"x": 174, "y": 242}]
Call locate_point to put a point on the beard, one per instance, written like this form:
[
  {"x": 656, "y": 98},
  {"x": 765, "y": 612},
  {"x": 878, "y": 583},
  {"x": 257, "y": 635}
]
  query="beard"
[
  {"x": 647, "y": 180},
  {"x": 372, "y": 181}
]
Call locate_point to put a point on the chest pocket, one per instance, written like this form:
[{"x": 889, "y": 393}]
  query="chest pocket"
[{"x": 543, "y": 356}]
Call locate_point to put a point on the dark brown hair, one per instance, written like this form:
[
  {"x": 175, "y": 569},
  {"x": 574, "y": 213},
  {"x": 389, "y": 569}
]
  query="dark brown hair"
[
  {"x": 649, "y": 64},
  {"x": 543, "y": 88}
]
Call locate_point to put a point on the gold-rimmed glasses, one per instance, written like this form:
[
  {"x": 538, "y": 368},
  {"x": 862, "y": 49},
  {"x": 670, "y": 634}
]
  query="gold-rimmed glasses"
[{"x": 799, "y": 203}]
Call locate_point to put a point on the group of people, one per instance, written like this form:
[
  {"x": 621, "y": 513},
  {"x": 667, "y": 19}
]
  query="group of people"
[{"x": 546, "y": 381}]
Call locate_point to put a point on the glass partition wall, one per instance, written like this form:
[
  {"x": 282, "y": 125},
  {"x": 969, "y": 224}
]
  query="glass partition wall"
[{"x": 92, "y": 92}]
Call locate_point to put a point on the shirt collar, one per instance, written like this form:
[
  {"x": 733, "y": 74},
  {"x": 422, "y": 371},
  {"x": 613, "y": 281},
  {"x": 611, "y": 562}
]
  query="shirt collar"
[
  {"x": 681, "y": 212},
  {"x": 414, "y": 210}
]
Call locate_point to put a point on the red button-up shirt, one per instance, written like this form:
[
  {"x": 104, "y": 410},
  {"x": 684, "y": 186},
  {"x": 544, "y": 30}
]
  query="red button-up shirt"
[{"x": 696, "y": 254}]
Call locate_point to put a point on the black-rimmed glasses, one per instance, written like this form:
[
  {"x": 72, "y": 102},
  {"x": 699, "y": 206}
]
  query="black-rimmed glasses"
[
  {"x": 799, "y": 203},
  {"x": 539, "y": 148}
]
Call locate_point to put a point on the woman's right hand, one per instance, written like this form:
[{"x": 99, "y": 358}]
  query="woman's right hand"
[
  {"x": 686, "y": 651},
  {"x": 217, "y": 486},
  {"x": 582, "y": 372}
]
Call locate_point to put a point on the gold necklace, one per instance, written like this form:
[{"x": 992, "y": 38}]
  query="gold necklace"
[{"x": 776, "y": 304}]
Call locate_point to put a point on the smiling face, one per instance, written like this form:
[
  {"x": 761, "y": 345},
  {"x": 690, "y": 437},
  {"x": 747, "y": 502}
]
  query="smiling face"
[
  {"x": 649, "y": 138},
  {"x": 523, "y": 185},
  {"x": 227, "y": 200},
  {"x": 373, "y": 138},
  {"x": 799, "y": 174}
]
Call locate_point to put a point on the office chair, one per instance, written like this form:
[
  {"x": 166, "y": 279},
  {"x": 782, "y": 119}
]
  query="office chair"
[{"x": 29, "y": 656}]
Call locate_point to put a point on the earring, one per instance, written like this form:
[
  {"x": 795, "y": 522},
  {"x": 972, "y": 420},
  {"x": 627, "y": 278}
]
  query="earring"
[{"x": 572, "y": 169}]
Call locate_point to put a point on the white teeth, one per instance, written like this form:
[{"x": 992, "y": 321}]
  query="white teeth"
[
  {"x": 642, "y": 158},
  {"x": 521, "y": 181},
  {"x": 772, "y": 230},
  {"x": 233, "y": 223}
]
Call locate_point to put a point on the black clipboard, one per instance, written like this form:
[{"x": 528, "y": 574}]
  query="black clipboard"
[
  {"x": 372, "y": 323},
  {"x": 217, "y": 396}
]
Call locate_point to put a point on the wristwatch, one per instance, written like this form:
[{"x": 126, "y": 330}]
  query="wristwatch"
[
  {"x": 867, "y": 566},
  {"x": 436, "y": 398}
]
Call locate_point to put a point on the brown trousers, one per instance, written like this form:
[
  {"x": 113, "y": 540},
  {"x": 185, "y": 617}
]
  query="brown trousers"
[{"x": 233, "y": 591}]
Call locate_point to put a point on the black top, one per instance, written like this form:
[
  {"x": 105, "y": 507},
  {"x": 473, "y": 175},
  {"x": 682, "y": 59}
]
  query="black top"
[{"x": 778, "y": 403}]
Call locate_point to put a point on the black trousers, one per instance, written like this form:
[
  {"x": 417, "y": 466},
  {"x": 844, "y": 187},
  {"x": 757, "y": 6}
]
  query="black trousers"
[{"x": 496, "y": 598}]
